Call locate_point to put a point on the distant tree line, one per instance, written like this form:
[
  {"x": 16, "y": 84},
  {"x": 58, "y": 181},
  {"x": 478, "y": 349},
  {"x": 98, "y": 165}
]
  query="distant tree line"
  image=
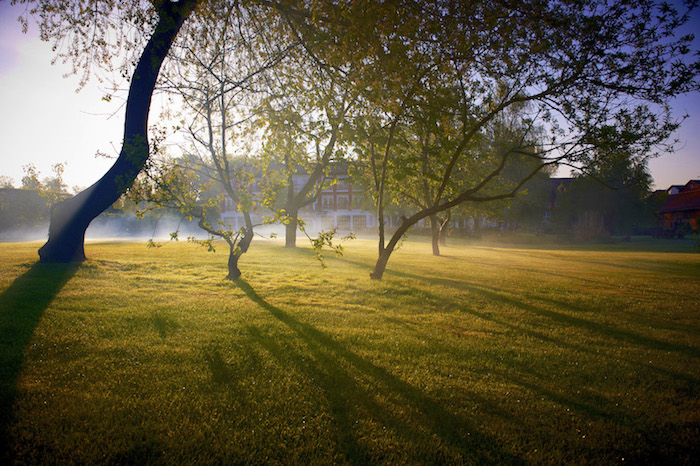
[{"x": 28, "y": 208}]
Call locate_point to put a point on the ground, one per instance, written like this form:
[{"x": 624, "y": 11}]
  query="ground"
[{"x": 488, "y": 354}]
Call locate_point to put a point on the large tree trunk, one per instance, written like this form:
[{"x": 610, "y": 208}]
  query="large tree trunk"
[
  {"x": 435, "y": 234},
  {"x": 70, "y": 218}
]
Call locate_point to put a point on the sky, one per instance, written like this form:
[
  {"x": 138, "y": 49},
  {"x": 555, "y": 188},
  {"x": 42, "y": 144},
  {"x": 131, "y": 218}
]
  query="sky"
[{"x": 44, "y": 121}]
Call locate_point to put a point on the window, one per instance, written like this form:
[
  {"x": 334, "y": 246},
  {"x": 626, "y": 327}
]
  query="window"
[
  {"x": 327, "y": 202},
  {"x": 327, "y": 222},
  {"x": 344, "y": 222},
  {"x": 357, "y": 201},
  {"x": 342, "y": 202},
  {"x": 359, "y": 222},
  {"x": 342, "y": 184}
]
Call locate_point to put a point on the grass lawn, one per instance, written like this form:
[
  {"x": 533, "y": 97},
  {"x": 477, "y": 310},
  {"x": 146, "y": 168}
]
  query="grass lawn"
[{"x": 484, "y": 355}]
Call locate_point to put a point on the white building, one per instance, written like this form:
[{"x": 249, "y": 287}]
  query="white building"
[{"x": 341, "y": 205}]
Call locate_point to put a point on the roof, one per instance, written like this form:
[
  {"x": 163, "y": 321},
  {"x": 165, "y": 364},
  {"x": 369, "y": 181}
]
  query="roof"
[
  {"x": 682, "y": 202},
  {"x": 691, "y": 185}
]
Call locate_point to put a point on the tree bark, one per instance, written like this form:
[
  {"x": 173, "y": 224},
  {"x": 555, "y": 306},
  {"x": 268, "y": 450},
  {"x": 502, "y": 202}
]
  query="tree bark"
[
  {"x": 70, "y": 218},
  {"x": 234, "y": 273},
  {"x": 384, "y": 255},
  {"x": 435, "y": 234},
  {"x": 380, "y": 228},
  {"x": 235, "y": 253},
  {"x": 444, "y": 227},
  {"x": 290, "y": 232}
]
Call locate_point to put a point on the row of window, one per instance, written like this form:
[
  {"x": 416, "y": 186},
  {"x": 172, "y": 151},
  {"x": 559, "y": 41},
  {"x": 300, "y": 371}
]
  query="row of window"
[
  {"x": 341, "y": 202},
  {"x": 344, "y": 222},
  {"x": 328, "y": 202}
]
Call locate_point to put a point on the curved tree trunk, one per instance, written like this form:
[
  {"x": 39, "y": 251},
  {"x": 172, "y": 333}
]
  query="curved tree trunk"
[
  {"x": 234, "y": 273},
  {"x": 468, "y": 195},
  {"x": 70, "y": 218},
  {"x": 235, "y": 253}
]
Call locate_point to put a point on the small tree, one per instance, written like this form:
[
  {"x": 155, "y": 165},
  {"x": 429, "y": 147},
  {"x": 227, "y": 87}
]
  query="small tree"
[
  {"x": 215, "y": 79},
  {"x": 6, "y": 182},
  {"x": 177, "y": 185},
  {"x": 304, "y": 118}
]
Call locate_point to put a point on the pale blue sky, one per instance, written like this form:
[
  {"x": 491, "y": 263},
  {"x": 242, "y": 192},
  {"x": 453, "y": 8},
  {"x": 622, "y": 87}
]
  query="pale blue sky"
[{"x": 44, "y": 121}]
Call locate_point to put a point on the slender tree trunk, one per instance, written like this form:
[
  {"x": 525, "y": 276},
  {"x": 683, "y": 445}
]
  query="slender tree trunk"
[
  {"x": 380, "y": 228},
  {"x": 444, "y": 227},
  {"x": 70, "y": 218},
  {"x": 235, "y": 253},
  {"x": 435, "y": 234},
  {"x": 290, "y": 232},
  {"x": 234, "y": 273},
  {"x": 384, "y": 255}
]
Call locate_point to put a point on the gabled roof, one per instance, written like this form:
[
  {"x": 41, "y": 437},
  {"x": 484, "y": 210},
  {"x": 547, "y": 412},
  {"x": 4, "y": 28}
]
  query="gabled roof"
[
  {"x": 683, "y": 201},
  {"x": 691, "y": 186}
]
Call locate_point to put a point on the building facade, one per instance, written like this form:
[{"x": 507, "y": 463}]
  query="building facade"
[
  {"x": 680, "y": 213},
  {"x": 340, "y": 204}
]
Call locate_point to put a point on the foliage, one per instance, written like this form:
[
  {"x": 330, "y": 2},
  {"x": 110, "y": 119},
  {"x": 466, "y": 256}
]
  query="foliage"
[
  {"x": 473, "y": 88},
  {"x": 7, "y": 182},
  {"x": 613, "y": 196},
  {"x": 51, "y": 188},
  {"x": 325, "y": 239},
  {"x": 27, "y": 209},
  {"x": 582, "y": 79},
  {"x": 303, "y": 120}
]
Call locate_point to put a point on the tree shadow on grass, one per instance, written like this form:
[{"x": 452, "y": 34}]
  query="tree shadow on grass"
[
  {"x": 332, "y": 368},
  {"x": 571, "y": 319},
  {"x": 21, "y": 306},
  {"x": 587, "y": 280}
]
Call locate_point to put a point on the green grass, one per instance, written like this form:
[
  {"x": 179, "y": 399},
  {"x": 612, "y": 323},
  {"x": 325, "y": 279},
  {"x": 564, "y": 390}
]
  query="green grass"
[{"x": 487, "y": 354}]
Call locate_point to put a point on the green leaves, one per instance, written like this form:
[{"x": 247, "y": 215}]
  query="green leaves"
[{"x": 325, "y": 239}]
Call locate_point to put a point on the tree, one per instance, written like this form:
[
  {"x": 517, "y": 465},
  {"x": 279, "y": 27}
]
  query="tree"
[
  {"x": 578, "y": 67},
  {"x": 304, "y": 118},
  {"x": 592, "y": 74},
  {"x": 215, "y": 80},
  {"x": 180, "y": 185},
  {"x": 6, "y": 182},
  {"x": 85, "y": 30},
  {"x": 26, "y": 210},
  {"x": 88, "y": 34},
  {"x": 30, "y": 180},
  {"x": 51, "y": 188}
]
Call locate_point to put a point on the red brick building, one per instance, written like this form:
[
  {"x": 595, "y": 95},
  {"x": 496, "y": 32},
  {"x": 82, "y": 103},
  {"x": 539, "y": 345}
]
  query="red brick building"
[{"x": 681, "y": 211}]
